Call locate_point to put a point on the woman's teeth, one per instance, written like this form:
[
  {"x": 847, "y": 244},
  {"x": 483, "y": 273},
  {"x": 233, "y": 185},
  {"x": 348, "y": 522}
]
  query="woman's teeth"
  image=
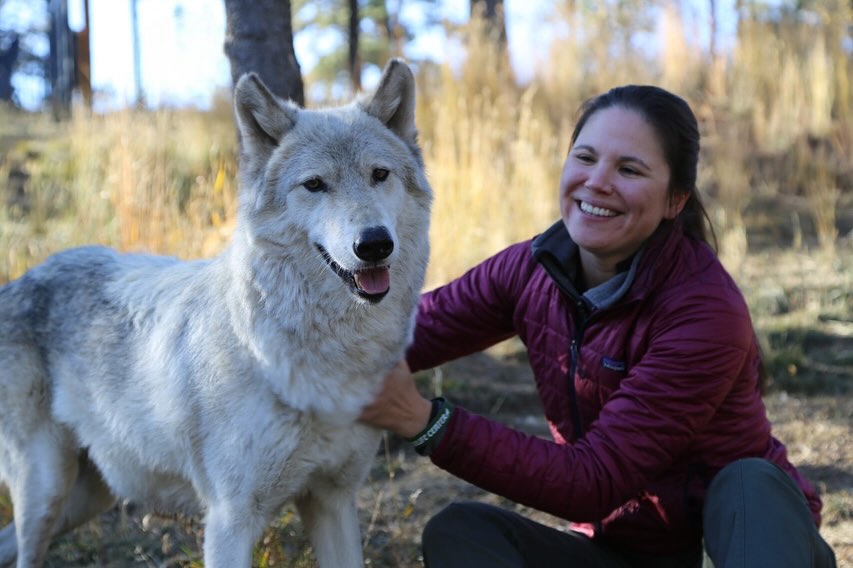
[{"x": 597, "y": 211}]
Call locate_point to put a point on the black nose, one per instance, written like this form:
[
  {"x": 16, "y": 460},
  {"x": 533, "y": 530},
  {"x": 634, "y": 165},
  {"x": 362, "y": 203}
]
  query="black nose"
[{"x": 373, "y": 244}]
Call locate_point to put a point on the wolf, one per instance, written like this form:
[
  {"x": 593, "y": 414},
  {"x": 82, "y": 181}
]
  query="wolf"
[{"x": 226, "y": 387}]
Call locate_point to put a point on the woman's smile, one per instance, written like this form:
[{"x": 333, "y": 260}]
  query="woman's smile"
[{"x": 595, "y": 211}]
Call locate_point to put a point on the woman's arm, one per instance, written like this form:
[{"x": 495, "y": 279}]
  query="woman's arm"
[
  {"x": 473, "y": 312},
  {"x": 694, "y": 357}
]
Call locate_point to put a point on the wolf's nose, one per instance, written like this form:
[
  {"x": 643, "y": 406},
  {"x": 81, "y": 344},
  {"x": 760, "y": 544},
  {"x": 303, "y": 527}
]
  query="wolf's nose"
[{"x": 373, "y": 244}]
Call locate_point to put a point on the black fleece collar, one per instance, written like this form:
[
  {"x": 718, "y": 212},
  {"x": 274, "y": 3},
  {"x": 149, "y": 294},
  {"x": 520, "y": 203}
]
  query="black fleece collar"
[{"x": 558, "y": 254}]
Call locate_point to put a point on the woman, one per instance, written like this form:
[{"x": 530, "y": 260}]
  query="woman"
[{"x": 646, "y": 363}]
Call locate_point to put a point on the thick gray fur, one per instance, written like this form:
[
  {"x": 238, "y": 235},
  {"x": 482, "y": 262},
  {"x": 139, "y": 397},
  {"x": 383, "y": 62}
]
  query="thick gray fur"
[{"x": 227, "y": 386}]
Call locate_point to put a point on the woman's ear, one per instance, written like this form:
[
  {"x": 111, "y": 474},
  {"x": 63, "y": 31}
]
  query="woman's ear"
[{"x": 677, "y": 201}]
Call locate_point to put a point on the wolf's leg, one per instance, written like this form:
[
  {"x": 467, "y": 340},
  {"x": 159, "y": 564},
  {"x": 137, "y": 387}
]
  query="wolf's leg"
[
  {"x": 88, "y": 498},
  {"x": 229, "y": 536},
  {"x": 38, "y": 493},
  {"x": 8, "y": 545},
  {"x": 331, "y": 520}
]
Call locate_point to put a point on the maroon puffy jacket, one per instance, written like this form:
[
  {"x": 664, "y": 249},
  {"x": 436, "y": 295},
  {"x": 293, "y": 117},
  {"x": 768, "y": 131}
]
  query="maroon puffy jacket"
[{"x": 663, "y": 390}]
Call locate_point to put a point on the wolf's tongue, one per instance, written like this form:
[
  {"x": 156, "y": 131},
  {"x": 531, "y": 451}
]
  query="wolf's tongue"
[{"x": 373, "y": 280}]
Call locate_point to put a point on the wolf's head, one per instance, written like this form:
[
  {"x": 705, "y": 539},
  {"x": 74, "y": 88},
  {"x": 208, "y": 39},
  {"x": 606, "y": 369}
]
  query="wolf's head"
[{"x": 341, "y": 193}]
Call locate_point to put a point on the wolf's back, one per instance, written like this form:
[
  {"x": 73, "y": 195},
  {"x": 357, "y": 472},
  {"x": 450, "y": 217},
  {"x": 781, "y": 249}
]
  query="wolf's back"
[
  {"x": 58, "y": 293},
  {"x": 80, "y": 303},
  {"x": 43, "y": 317}
]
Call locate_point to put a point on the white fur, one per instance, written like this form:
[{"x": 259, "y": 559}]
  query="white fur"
[{"x": 231, "y": 385}]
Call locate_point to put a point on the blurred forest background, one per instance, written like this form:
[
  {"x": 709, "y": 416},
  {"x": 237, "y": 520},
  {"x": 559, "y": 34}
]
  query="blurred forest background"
[{"x": 775, "y": 104}]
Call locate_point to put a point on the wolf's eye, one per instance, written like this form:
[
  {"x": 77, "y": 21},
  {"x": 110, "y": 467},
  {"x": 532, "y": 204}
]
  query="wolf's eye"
[
  {"x": 314, "y": 184},
  {"x": 380, "y": 174}
]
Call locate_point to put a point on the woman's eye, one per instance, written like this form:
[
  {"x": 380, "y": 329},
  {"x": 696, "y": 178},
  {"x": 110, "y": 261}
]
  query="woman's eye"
[
  {"x": 314, "y": 184},
  {"x": 630, "y": 171},
  {"x": 380, "y": 174},
  {"x": 584, "y": 158}
]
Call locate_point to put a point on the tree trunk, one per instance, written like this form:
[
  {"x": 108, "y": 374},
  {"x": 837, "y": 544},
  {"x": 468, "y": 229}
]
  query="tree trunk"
[
  {"x": 8, "y": 58},
  {"x": 61, "y": 62},
  {"x": 354, "y": 59},
  {"x": 137, "y": 55},
  {"x": 259, "y": 38},
  {"x": 493, "y": 13},
  {"x": 83, "y": 59}
]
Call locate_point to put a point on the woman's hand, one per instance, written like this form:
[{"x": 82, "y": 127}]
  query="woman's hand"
[{"x": 398, "y": 407}]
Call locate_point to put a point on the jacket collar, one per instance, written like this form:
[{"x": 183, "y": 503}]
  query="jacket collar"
[{"x": 558, "y": 255}]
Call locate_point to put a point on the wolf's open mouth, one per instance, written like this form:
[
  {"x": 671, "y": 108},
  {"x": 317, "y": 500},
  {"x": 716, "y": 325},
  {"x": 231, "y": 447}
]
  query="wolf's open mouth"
[{"x": 372, "y": 283}]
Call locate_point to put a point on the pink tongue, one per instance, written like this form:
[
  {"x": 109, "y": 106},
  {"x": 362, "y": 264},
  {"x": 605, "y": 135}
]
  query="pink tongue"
[{"x": 373, "y": 280}]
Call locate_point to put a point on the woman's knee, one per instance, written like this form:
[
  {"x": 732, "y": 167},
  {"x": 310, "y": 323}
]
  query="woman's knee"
[
  {"x": 470, "y": 534},
  {"x": 456, "y": 519},
  {"x": 756, "y": 515},
  {"x": 751, "y": 476}
]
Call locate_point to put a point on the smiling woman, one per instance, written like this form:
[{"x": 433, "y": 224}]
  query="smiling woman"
[{"x": 647, "y": 367}]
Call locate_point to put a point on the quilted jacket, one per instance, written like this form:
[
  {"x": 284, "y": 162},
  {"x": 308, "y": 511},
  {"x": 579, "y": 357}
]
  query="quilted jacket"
[{"x": 649, "y": 390}]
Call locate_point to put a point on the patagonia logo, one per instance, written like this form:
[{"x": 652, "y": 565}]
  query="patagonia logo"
[{"x": 614, "y": 365}]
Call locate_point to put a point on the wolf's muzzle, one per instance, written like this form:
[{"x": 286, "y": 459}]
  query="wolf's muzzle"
[{"x": 372, "y": 282}]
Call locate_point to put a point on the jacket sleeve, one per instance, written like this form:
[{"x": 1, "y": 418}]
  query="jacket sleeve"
[
  {"x": 471, "y": 313},
  {"x": 696, "y": 348}
]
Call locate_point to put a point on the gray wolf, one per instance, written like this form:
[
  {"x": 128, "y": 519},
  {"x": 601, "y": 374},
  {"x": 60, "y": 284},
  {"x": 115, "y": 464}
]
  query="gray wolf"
[{"x": 228, "y": 386}]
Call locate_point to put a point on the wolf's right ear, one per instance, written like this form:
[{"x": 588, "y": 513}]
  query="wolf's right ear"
[
  {"x": 262, "y": 117},
  {"x": 393, "y": 102}
]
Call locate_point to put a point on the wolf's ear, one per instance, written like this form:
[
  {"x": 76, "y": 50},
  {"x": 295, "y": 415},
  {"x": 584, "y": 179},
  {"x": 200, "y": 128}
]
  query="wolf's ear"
[
  {"x": 263, "y": 118},
  {"x": 393, "y": 102}
]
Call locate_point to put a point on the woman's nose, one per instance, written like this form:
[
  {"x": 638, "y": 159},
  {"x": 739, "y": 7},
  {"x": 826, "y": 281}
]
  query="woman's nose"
[{"x": 599, "y": 179}]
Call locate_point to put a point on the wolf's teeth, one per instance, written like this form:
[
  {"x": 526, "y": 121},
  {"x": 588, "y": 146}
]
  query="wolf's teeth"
[{"x": 597, "y": 211}]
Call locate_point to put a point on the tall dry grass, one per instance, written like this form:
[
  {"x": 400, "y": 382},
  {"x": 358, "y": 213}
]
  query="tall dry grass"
[
  {"x": 165, "y": 181},
  {"x": 157, "y": 181}
]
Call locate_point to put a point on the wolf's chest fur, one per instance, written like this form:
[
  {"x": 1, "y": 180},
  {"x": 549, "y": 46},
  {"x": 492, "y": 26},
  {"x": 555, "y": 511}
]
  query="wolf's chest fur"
[{"x": 263, "y": 445}]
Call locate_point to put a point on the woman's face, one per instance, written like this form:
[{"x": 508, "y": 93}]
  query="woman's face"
[{"x": 613, "y": 190}]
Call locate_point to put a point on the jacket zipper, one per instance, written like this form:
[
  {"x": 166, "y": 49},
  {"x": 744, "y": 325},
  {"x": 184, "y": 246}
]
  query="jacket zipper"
[
  {"x": 573, "y": 364},
  {"x": 580, "y": 327},
  {"x": 574, "y": 354}
]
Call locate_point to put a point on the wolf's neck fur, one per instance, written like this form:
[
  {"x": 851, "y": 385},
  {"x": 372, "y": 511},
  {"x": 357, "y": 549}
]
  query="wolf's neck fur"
[{"x": 297, "y": 328}]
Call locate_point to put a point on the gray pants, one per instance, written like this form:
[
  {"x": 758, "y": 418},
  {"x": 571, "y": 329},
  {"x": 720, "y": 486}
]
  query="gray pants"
[{"x": 755, "y": 516}]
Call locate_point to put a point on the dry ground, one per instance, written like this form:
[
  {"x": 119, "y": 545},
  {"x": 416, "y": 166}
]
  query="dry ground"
[{"x": 404, "y": 490}]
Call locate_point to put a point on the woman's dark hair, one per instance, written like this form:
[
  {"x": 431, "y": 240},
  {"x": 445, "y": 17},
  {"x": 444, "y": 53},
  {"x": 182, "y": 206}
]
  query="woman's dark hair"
[{"x": 678, "y": 132}]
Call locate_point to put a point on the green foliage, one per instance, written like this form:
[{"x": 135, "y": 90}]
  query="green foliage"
[{"x": 382, "y": 34}]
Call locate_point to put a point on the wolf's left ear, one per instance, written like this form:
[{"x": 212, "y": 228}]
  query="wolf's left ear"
[
  {"x": 263, "y": 119},
  {"x": 393, "y": 102}
]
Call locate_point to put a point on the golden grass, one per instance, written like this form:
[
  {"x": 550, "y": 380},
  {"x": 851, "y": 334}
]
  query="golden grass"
[
  {"x": 773, "y": 115},
  {"x": 494, "y": 166},
  {"x": 164, "y": 181}
]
